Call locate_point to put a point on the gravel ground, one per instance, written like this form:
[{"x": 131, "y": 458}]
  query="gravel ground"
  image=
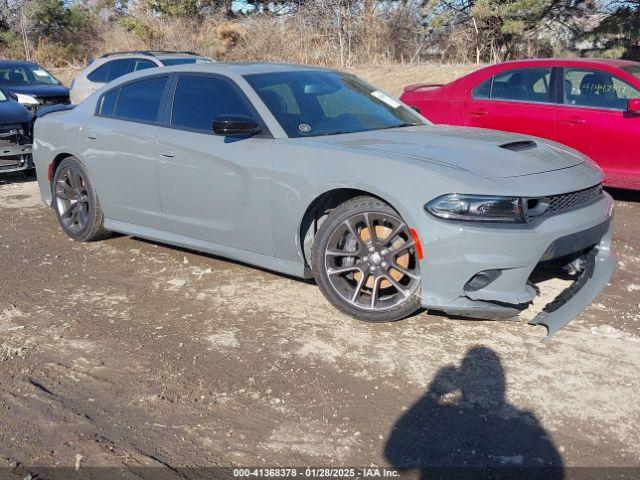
[{"x": 129, "y": 354}]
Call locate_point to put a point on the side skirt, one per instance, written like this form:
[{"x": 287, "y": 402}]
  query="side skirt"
[{"x": 262, "y": 261}]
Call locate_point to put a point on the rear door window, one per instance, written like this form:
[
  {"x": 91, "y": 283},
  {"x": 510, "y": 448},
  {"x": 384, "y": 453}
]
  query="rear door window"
[
  {"x": 99, "y": 75},
  {"x": 118, "y": 68},
  {"x": 596, "y": 89},
  {"x": 142, "y": 64},
  {"x": 200, "y": 99},
  {"x": 108, "y": 103},
  {"x": 141, "y": 100}
]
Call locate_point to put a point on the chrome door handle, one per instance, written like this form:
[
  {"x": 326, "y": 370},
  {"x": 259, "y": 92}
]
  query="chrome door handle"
[{"x": 167, "y": 153}]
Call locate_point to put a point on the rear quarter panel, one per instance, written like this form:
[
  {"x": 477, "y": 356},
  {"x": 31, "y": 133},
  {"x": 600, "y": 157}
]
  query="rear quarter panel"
[
  {"x": 437, "y": 104},
  {"x": 54, "y": 134}
]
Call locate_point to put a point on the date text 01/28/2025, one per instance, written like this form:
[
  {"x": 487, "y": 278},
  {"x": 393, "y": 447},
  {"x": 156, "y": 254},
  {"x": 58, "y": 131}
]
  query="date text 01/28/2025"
[{"x": 309, "y": 472}]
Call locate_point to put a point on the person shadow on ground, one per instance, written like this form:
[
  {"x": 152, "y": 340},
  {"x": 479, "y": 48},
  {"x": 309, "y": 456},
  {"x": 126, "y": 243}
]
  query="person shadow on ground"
[{"x": 464, "y": 428}]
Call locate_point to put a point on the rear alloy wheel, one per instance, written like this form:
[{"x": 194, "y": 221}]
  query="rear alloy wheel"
[
  {"x": 365, "y": 261},
  {"x": 76, "y": 203}
]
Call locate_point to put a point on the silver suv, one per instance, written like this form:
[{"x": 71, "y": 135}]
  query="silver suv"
[{"x": 110, "y": 66}]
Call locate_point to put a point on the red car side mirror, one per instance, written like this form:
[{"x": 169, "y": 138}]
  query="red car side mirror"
[{"x": 634, "y": 106}]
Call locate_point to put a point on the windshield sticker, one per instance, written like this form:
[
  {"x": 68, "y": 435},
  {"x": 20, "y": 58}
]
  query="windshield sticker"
[
  {"x": 303, "y": 127},
  {"x": 386, "y": 99},
  {"x": 41, "y": 73}
]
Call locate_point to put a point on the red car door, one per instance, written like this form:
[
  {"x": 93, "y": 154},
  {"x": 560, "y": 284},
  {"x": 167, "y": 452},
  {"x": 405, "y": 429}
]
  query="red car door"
[
  {"x": 517, "y": 100},
  {"x": 593, "y": 119}
]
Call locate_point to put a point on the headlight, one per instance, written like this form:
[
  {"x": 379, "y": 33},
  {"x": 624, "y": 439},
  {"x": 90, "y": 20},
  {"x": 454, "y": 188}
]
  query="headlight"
[
  {"x": 25, "y": 99},
  {"x": 477, "y": 208}
]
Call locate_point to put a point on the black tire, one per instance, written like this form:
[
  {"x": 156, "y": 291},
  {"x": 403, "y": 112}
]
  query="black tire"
[
  {"x": 76, "y": 203},
  {"x": 335, "y": 231}
]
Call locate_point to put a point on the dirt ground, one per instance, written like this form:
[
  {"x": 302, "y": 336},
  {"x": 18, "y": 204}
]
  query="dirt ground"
[{"x": 126, "y": 353}]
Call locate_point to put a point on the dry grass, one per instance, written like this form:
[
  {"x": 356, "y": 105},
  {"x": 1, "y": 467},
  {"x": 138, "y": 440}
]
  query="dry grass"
[
  {"x": 66, "y": 74},
  {"x": 393, "y": 77},
  {"x": 388, "y": 77}
]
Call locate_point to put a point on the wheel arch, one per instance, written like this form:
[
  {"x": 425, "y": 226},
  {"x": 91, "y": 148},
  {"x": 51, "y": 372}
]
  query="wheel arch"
[
  {"x": 322, "y": 205},
  {"x": 54, "y": 165},
  {"x": 57, "y": 160}
]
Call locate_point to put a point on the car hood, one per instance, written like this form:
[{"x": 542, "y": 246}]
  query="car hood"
[
  {"x": 42, "y": 91},
  {"x": 488, "y": 153},
  {"x": 12, "y": 112}
]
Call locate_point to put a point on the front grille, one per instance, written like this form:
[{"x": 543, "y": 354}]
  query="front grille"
[
  {"x": 9, "y": 130},
  {"x": 11, "y": 135},
  {"x": 11, "y": 162},
  {"x": 53, "y": 100},
  {"x": 569, "y": 201},
  {"x": 15, "y": 147},
  {"x": 537, "y": 207}
]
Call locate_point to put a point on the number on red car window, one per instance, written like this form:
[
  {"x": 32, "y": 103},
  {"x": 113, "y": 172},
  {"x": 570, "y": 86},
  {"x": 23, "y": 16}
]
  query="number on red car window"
[{"x": 596, "y": 89}]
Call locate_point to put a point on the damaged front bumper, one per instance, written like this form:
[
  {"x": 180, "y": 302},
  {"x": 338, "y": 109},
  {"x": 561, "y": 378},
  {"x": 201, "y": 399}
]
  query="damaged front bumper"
[
  {"x": 596, "y": 270},
  {"x": 15, "y": 149},
  {"x": 489, "y": 272}
]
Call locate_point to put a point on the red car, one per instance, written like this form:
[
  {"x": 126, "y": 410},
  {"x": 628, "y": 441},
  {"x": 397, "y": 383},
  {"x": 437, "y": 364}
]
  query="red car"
[{"x": 590, "y": 105}]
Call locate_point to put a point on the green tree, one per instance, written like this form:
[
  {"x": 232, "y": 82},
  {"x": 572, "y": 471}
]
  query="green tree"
[
  {"x": 618, "y": 34},
  {"x": 186, "y": 8},
  {"x": 499, "y": 28},
  {"x": 57, "y": 20}
]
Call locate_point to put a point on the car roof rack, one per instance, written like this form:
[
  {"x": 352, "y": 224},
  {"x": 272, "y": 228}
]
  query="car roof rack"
[
  {"x": 149, "y": 53},
  {"x": 183, "y": 52}
]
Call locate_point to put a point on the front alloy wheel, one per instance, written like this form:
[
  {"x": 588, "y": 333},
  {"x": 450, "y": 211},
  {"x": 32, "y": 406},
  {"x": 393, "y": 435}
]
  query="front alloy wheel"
[{"x": 365, "y": 261}]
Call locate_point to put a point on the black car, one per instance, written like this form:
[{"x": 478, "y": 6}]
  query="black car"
[
  {"x": 16, "y": 124},
  {"x": 32, "y": 85}
]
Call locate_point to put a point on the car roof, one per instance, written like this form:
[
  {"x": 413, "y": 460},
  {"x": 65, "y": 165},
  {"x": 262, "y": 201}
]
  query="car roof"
[
  {"x": 244, "y": 68},
  {"x": 574, "y": 61},
  {"x": 234, "y": 70},
  {"x": 483, "y": 73}
]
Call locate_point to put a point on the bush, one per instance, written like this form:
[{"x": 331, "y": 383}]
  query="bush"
[{"x": 55, "y": 54}]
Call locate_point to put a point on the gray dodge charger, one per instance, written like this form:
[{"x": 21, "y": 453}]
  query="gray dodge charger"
[{"x": 315, "y": 173}]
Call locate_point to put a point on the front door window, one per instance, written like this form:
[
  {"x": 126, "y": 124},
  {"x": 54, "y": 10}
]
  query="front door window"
[{"x": 596, "y": 89}]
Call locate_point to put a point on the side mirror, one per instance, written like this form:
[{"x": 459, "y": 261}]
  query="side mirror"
[
  {"x": 634, "y": 106},
  {"x": 235, "y": 126}
]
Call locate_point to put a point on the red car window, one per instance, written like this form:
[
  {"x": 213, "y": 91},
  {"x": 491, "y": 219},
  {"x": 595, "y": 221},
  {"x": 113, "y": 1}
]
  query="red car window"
[
  {"x": 524, "y": 85},
  {"x": 596, "y": 89}
]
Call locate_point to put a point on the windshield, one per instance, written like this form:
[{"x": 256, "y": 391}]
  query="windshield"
[
  {"x": 25, "y": 74},
  {"x": 3, "y": 98},
  {"x": 633, "y": 70},
  {"x": 168, "y": 62},
  {"x": 314, "y": 103}
]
